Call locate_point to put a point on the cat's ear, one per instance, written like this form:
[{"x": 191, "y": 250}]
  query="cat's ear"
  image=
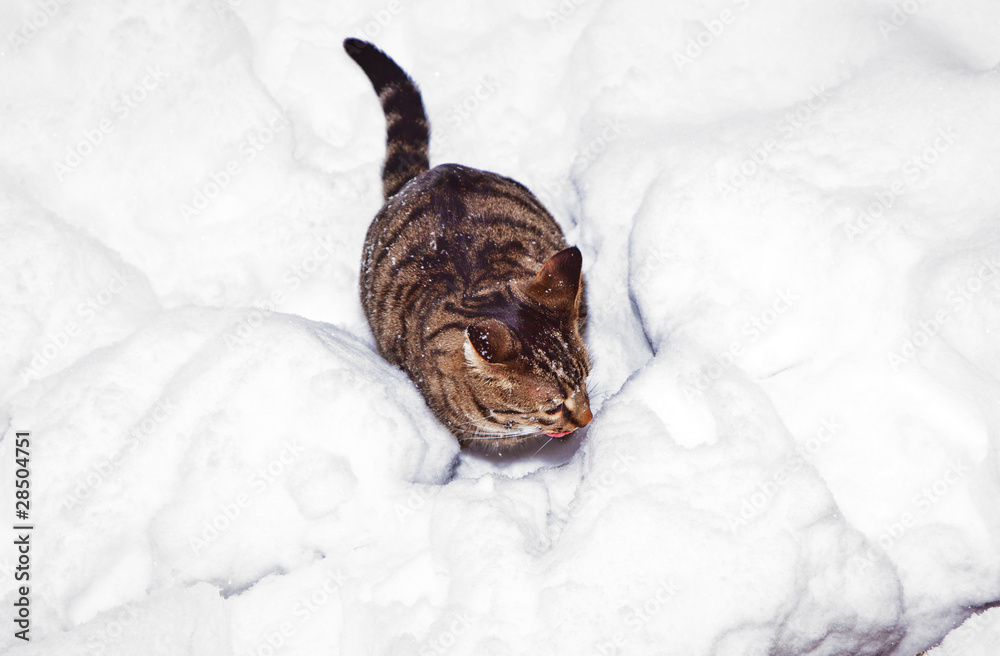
[
  {"x": 489, "y": 341},
  {"x": 557, "y": 285}
]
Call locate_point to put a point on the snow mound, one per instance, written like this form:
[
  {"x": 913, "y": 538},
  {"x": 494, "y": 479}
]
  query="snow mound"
[{"x": 788, "y": 214}]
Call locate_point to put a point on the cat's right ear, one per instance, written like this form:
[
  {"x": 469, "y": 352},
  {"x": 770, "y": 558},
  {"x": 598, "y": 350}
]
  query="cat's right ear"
[
  {"x": 557, "y": 285},
  {"x": 489, "y": 342}
]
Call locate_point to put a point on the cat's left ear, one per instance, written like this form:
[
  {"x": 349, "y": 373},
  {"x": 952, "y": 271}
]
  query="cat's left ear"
[{"x": 557, "y": 285}]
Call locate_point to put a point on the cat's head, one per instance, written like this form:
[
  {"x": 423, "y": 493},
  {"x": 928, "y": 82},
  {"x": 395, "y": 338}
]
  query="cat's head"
[{"x": 527, "y": 364}]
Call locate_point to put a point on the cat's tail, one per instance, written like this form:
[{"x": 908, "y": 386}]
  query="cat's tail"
[{"x": 407, "y": 130}]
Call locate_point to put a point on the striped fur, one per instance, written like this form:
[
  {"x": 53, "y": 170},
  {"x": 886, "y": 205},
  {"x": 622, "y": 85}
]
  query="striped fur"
[
  {"x": 407, "y": 130},
  {"x": 469, "y": 287}
]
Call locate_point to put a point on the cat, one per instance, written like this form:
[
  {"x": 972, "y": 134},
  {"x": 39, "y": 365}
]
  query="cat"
[{"x": 469, "y": 286}]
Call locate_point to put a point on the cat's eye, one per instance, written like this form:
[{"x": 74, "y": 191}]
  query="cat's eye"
[{"x": 554, "y": 409}]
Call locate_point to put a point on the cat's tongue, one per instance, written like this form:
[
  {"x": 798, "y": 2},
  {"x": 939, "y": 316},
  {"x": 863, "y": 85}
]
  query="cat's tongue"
[{"x": 558, "y": 434}]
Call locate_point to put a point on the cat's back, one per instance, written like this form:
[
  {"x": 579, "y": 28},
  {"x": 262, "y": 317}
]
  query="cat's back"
[
  {"x": 467, "y": 203},
  {"x": 449, "y": 236},
  {"x": 463, "y": 221}
]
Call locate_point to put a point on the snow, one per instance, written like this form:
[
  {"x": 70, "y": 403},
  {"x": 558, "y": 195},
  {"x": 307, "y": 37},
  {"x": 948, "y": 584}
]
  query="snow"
[{"x": 788, "y": 216}]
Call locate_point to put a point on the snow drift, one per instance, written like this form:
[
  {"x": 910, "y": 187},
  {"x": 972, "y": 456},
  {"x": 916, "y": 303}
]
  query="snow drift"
[{"x": 788, "y": 214}]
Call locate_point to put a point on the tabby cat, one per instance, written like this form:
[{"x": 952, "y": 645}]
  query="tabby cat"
[{"x": 469, "y": 287}]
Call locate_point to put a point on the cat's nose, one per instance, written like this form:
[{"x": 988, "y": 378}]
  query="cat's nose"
[
  {"x": 581, "y": 419},
  {"x": 579, "y": 410}
]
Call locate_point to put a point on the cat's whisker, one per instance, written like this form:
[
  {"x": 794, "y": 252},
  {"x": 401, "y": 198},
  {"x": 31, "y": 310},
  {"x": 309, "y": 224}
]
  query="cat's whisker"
[
  {"x": 476, "y": 421},
  {"x": 542, "y": 447},
  {"x": 479, "y": 428},
  {"x": 479, "y": 433},
  {"x": 489, "y": 435},
  {"x": 490, "y": 431}
]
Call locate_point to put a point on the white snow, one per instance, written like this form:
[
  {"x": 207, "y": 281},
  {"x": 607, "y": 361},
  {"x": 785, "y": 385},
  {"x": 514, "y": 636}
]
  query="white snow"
[{"x": 790, "y": 220}]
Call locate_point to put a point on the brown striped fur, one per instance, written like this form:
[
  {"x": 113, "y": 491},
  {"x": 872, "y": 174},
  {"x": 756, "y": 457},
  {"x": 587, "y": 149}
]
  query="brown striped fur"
[{"x": 469, "y": 287}]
